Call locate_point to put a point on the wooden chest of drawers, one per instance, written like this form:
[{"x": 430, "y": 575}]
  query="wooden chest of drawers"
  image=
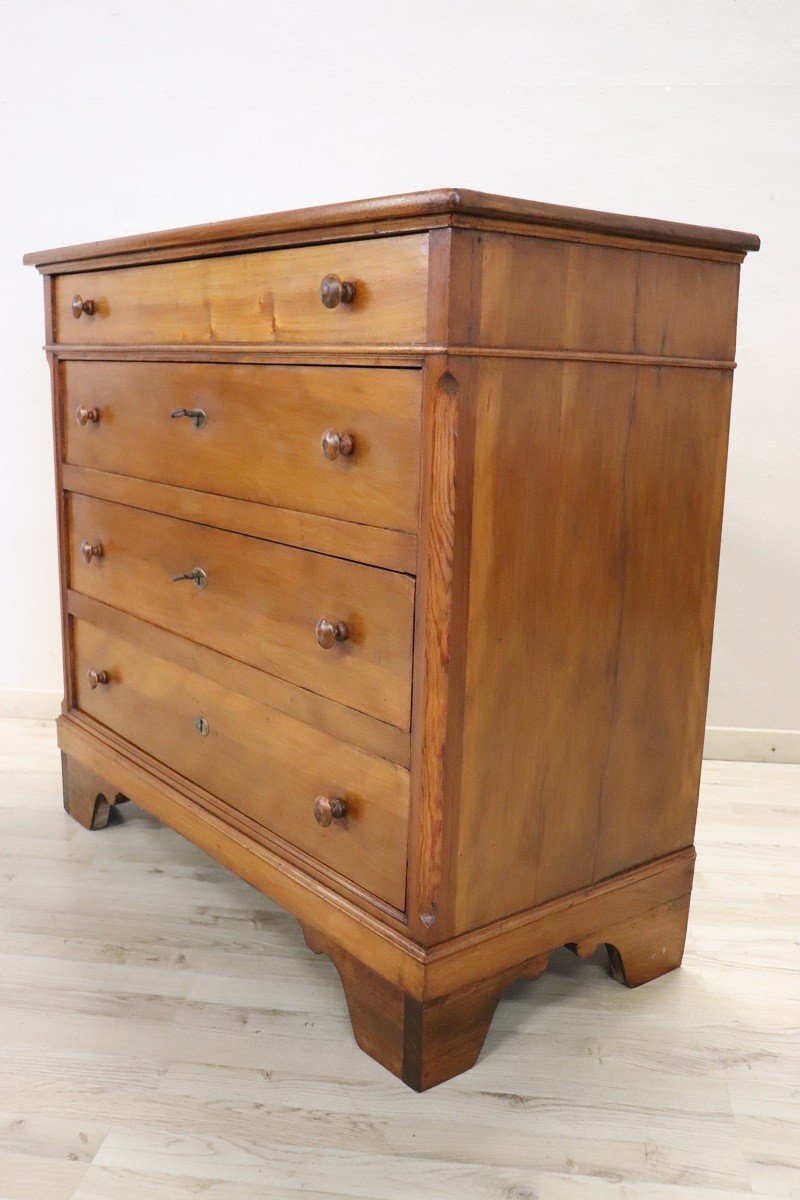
[{"x": 389, "y": 536}]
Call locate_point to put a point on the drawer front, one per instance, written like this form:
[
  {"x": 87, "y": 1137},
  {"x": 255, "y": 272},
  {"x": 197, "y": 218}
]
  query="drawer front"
[
  {"x": 265, "y": 764},
  {"x": 266, "y": 297},
  {"x": 260, "y": 436},
  {"x": 260, "y": 604}
]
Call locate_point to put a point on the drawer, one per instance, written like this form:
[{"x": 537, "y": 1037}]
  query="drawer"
[
  {"x": 260, "y": 604},
  {"x": 261, "y": 434},
  {"x": 265, "y": 297},
  {"x": 263, "y": 763}
]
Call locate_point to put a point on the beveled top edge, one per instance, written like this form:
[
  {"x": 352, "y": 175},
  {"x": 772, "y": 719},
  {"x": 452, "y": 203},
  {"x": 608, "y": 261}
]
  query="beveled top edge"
[{"x": 419, "y": 205}]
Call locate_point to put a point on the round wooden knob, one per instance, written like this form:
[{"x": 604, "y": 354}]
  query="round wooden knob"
[
  {"x": 334, "y": 444},
  {"x": 91, "y": 550},
  {"x": 96, "y": 677},
  {"x": 328, "y": 809},
  {"x": 81, "y": 306},
  {"x": 329, "y": 632},
  {"x": 334, "y": 292},
  {"x": 85, "y": 415}
]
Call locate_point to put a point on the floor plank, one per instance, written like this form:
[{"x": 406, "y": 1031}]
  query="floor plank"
[{"x": 164, "y": 1033}]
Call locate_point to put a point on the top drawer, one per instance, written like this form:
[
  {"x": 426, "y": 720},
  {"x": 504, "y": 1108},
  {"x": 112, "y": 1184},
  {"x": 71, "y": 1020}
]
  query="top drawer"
[{"x": 265, "y": 297}]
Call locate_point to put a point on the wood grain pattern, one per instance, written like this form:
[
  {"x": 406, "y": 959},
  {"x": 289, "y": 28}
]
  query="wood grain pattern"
[
  {"x": 645, "y": 947},
  {"x": 264, "y": 763},
  {"x": 421, "y": 205},
  {"x": 369, "y": 544},
  {"x": 186, "y": 1043},
  {"x": 423, "y": 1042},
  {"x": 592, "y": 586},
  {"x": 261, "y": 604},
  {"x": 439, "y": 648},
  {"x": 397, "y": 958},
  {"x": 359, "y": 729},
  {"x": 309, "y": 354},
  {"x": 265, "y": 297},
  {"x": 174, "y": 801},
  {"x": 532, "y": 293},
  {"x": 411, "y": 357},
  {"x": 547, "y": 493},
  {"x": 62, "y": 535},
  {"x": 582, "y": 917},
  {"x": 262, "y": 436},
  {"x": 427, "y": 1041},
  {"x": 87, "y": 798}
]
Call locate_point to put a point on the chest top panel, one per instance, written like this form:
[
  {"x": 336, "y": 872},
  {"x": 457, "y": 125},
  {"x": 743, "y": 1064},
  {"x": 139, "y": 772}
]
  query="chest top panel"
[{"x": 364, "y": 218}]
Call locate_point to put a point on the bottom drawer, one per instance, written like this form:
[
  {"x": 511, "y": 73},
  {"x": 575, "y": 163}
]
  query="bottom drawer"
[{"x": 262, "y": 762}]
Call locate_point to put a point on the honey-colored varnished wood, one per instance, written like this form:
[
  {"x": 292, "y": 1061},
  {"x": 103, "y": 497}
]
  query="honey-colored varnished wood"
[
  {"x": 263, "y": 763},
  {"x": 356, "y": 728},
  {"x": 389, "y": 536},
  {"x": 390, "y": 548},
  {"x": 117, "y": 1080},
  {"x": 535, "y": 293},
  {"x": 270, "y": 297},
  {"x": 427, "y": 1038},
  {"x": 594, "y": 547},
  {"x": 260, "y": 604},
  {"x": 440, "y": 649},
  {"x": 425, "y": 1015},
  {"x": 413, "y": 206},
  {"x": 423, "y": 1042},
  {"x": 87, "y": 798},
  {"x": 263, "y": 436},
  {"x": 645, "y": 946}
]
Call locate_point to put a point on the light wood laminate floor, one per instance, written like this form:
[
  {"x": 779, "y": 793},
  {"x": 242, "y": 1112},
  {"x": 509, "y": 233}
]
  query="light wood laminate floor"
[{"x": 164, "y": 1032}]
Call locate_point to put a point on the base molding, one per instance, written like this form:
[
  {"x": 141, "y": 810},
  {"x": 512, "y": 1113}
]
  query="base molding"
[
  {"x": 752, "y": 745},
  {"x": 422, "y": 1013},
  {"x": 427, "y": 1041}
]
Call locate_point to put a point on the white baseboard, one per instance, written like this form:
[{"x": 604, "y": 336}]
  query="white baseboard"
[
  {"x": 24, "y": 702},
  {"x": 722, "y": 742},
  {"x": 752, "y": 745}
]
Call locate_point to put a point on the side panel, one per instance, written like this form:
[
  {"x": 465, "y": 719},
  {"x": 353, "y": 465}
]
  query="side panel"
[
  {"x": 536, "y": 294},
  {"x": 596, "y": 517}
]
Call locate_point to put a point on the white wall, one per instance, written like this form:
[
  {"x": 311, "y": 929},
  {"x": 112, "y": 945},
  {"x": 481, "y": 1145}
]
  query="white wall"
[{"x": 123, "y": 117}]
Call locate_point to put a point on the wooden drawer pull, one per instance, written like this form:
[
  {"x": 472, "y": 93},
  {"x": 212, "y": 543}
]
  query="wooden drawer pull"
[
  {"x": 334, "y": 292},
  {"x": 90, "y": 550},
  {"x": 96, "y": 677},
  {"x": 80, "y": 306},
  {"x": 330, "y": 632},
  {"x": 334, "y": 444},
  {"x": 327, "y": 810},
  {"x": 85, "y": 416}
]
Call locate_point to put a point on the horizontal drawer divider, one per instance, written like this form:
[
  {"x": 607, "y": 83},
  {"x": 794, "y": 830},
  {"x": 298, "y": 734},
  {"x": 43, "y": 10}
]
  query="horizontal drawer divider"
[
  {"x": 359, "y": 729},
  {"x": 368, "y": 544},
  {"x": 372, "y": 356},
  {"x": 386, "y": 355},
  {"x": 259, "y": 602}
]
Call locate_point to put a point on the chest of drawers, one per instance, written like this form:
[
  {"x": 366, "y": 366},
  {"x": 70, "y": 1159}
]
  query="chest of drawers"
[{"x": 389, "y": 536}]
